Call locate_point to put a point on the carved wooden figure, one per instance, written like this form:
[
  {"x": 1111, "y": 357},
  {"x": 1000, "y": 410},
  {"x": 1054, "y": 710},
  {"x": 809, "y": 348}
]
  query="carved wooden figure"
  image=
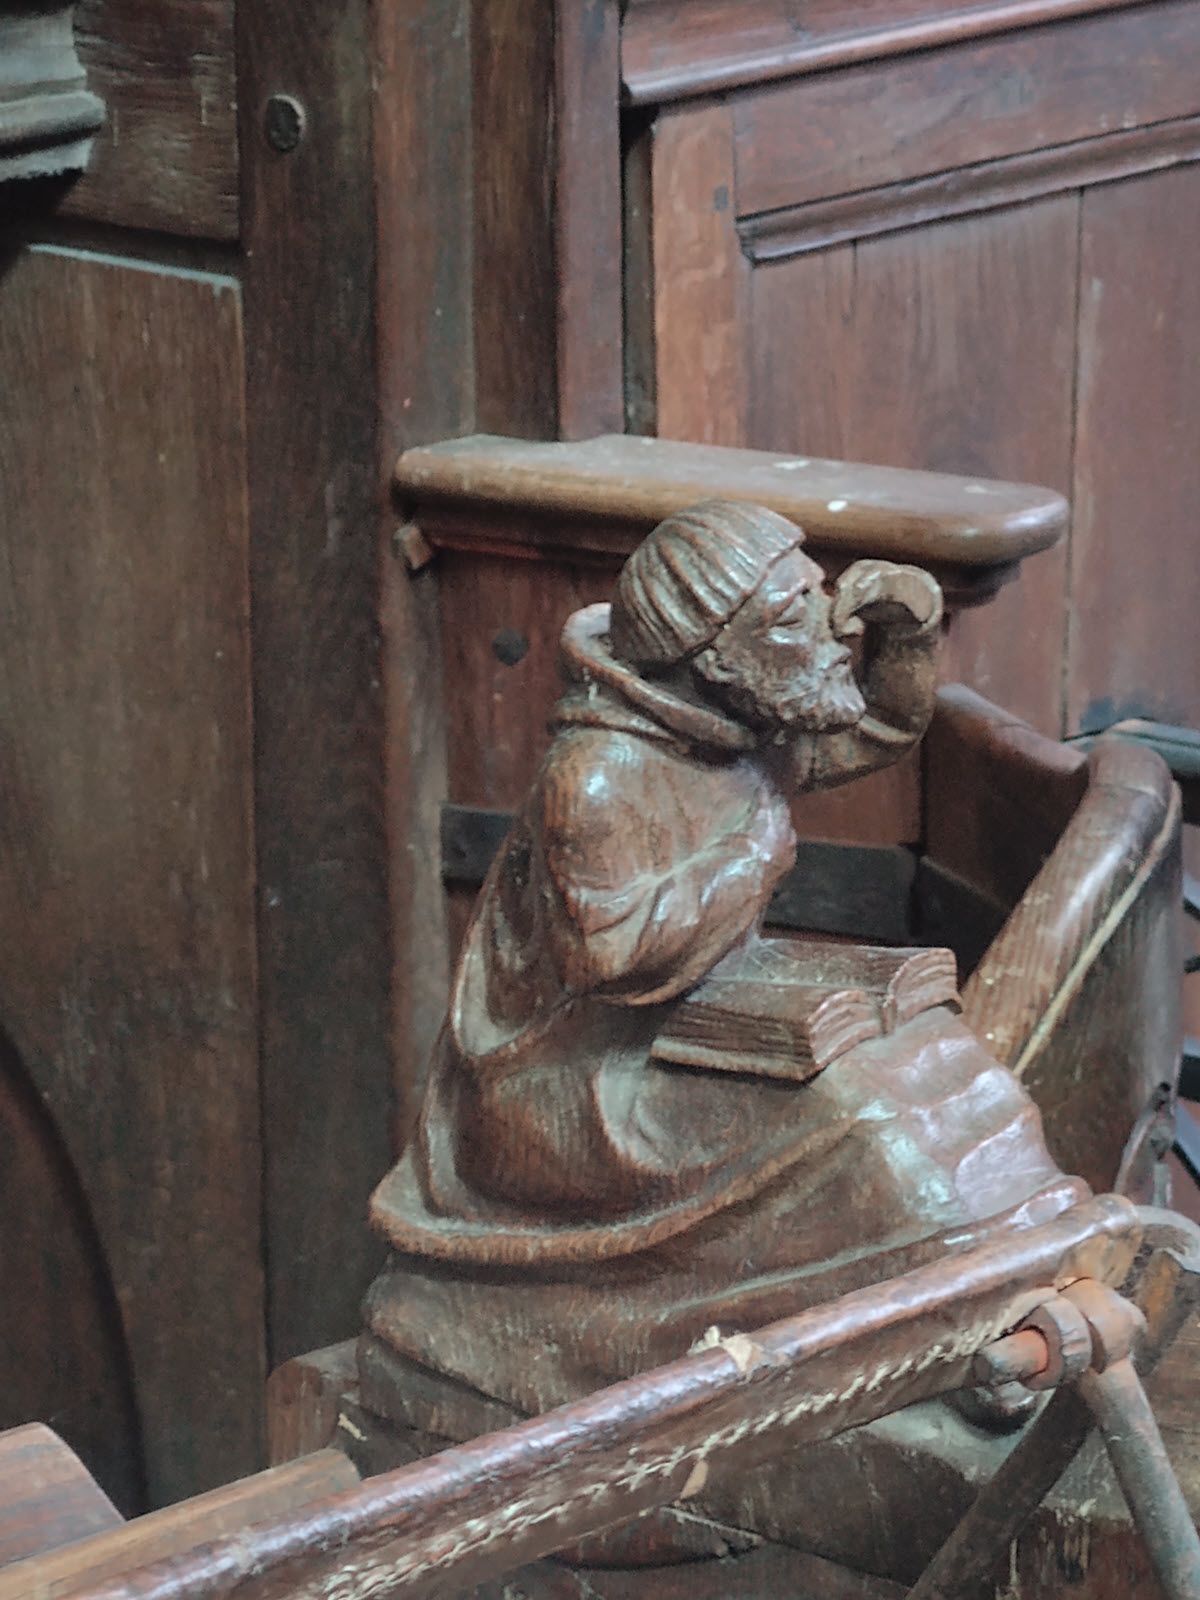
[
  {"x": 643, "y": 1119},
  {"x": 710, "y": 1200}
]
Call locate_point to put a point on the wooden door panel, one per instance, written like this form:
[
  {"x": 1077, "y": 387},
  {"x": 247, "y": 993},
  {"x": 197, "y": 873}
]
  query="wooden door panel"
[
  {"x": 126, "y": 861},
  {"x": 1134, "y": 646}
]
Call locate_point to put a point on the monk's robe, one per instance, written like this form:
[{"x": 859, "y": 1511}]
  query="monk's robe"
[{"x": 573, "y": 1210}]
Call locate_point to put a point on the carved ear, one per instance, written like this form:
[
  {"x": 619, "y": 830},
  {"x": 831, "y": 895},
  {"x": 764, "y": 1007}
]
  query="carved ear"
[{"x": 712, "y": 666}]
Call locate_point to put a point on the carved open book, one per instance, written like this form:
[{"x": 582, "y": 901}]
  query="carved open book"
[{"x": 786, "y": 1008}]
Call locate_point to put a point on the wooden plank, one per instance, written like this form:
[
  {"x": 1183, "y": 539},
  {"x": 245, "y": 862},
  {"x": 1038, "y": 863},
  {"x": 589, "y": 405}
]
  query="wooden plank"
[
  {"x": 478, "y": 1510},
  {"x": 1012, "y": 180},
  {"x": 547, "y": 237},
  {"x": 176, "y": 1530},
  {"x": 973, "y": 102},
  {"x": 167, "y": 156},
  {"x": 587, "y": 216},
  {"x": 425, "y": 378},
  {"x": 316, "y": 508},
  {"x": 516, "y": 312},
  {"x": 671, "y": 49},
  {"x": 126, "y": 863},
  {"x": 1134, "y": 649},
  {"x": 304, "y": 1397},
  {"x": 632, "y": 483},
  {"x": 48, "y": 1498},
  {"x": 901, "y": 351},
  {"x": 700, "y": 279}
]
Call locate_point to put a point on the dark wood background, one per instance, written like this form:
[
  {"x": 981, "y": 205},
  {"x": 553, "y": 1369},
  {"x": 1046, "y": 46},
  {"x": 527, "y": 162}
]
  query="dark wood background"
[{"x": 960, "y": 238}]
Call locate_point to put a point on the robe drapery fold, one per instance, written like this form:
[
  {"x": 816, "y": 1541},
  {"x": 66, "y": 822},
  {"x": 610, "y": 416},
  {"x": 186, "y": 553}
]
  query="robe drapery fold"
[{"x": 572, "y": 1210}]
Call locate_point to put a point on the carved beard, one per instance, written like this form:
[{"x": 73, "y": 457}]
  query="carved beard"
[
  {"x": 825, "y": 699},
  {"x": 839, "y": 703}
]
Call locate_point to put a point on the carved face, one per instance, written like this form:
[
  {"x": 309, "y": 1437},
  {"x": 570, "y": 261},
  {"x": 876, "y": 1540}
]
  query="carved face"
[{"x": 777, "y": 663}]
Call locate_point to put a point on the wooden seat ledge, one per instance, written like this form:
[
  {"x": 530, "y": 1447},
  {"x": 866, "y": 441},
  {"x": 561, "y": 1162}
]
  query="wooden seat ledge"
[{"x": 602, "y": 495}]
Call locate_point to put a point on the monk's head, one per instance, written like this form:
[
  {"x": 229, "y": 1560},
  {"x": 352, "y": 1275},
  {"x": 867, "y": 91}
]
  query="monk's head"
[{"x": 725, "y": 593}]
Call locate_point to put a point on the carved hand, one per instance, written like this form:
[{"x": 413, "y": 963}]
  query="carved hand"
[{"x": 885, "y": 593}]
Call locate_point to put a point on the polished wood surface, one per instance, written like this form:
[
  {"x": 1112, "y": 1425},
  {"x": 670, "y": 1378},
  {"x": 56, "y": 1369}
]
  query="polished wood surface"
[
  {"x": 464, "y": 231},
  {"x": 673, "y": 49},
  {"x": 128, "y": 995},
  {"x": 624, "y": 485},
  {"x": 324, "y": 943},
  {"x": 954, "y": 107},
  {"x": 480, "y": 1508}
]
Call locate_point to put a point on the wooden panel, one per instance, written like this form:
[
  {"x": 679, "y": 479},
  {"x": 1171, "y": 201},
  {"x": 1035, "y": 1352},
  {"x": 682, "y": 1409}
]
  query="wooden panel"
[
  {"x": 63, "y": 1351},
  {"x": 547, "y": 246},
  {"x": 902, "y": 350},
  {"x": 500, "y": 645},
  {"x": 700, "y": 279},
  {"x": 673, "y": 48},
  {"x": 425, "y": 390},
  {"x": 953, "y": 107},
  {"x": 126, "y": 867},
  {"x": 1009, "y": 181},
  {"x": 167, "y": 157},
  {"x": 512, "y": 41},
  {"x": 587, "y": 216},
  {"x": 316, "y": 506},
  {"x": 1134, "y": 644}
]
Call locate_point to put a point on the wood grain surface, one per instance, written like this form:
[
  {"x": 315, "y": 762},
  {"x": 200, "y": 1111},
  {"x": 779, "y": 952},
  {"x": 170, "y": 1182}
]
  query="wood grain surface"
[
  {"x": 631, "y": 483},
  {"x": 47, "y": 1496},
  {"x": 88, "y": 1563},
  {"x": 672, "y": 49},
  {"x": 167, "y": 156},
  {"x": 126, "y": 862},
  {"x": 316, "y": 513},
  {"x": 1133, "y": 648},
  {"x": 973, "y": 103},
  {"x": 843, "y": 368}
]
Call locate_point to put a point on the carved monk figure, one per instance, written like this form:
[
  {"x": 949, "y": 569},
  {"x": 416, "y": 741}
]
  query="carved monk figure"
[{"x": 581, "y": 1200}]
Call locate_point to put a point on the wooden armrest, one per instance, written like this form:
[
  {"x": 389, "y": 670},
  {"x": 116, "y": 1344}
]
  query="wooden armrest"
[
  {"x": 597, "y": 498},
  {"x": 1179, "y": 748}
]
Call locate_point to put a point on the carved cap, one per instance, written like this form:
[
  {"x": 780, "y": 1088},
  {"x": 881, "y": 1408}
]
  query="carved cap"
[{"x": 686, "y": 579}]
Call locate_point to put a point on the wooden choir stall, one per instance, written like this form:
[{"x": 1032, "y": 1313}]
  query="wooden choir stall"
[{"x": 568, "y": 896}]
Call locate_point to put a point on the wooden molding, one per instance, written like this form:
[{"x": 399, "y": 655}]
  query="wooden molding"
[
  {"x": 47, "y": 113},
  {"x": 1013, "y": 180},
  {"x": 983, "y": 101},
  {"x": 676, "y": 49}
]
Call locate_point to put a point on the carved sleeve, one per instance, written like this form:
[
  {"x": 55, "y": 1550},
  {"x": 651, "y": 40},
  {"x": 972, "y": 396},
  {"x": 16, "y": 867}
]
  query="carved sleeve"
[
  {"x": 645, "y": 908},
  {"x": 899, "y": 684}
]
